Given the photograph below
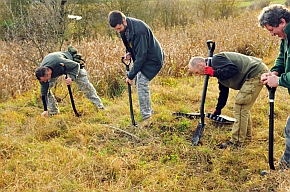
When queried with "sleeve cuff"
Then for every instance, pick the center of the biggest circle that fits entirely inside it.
(43, 98)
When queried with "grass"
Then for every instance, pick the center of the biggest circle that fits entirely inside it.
(66, 153)
(247, 3)
(278, 1)
(96, 153)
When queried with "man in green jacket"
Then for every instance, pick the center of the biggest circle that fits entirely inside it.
(51, 68)
(146, 53)
(238, 72)
(275, 18)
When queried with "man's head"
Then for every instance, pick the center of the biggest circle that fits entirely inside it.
(197, 65)
(43, 74)
(275, 18)
(118, 21)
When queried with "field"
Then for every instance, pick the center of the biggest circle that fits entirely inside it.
(100, 151)
(249, 2)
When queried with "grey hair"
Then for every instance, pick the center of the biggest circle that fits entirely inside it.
(196, 60)
(273, 14)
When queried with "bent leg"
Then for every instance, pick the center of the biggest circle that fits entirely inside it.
(245, 99)
(240, 126)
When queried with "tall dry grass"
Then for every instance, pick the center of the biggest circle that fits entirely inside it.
(241, 34)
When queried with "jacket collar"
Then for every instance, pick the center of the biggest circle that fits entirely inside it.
(130, 27)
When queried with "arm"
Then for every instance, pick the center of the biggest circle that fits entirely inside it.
(224, 68)
(279, 69)
(141, 46)
(223, 97)
(45, 111)
(283, 80)
(44, 91)
(72, 68)
(279, 66)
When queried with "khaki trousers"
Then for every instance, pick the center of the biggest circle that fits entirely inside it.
(245, 99)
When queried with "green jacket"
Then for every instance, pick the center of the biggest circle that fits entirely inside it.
(246, 68)
(282, 63)
(144, 48)
(232, 70)
(53, 60)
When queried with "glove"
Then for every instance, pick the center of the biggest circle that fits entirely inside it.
(216, 112)
(208, 71)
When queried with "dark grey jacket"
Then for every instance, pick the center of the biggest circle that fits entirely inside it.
(53, 60)
(144, 48)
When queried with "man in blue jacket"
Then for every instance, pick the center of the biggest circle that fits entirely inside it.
(275, 18)
(146, 53)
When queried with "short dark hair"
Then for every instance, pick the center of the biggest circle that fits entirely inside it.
(273, 14)
(41, 72)
(116, 17)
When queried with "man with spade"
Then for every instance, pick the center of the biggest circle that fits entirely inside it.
(145, 51)
(57, 64)
(275, 18)
(238, 72)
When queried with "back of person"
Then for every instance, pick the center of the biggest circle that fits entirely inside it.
(248, 67)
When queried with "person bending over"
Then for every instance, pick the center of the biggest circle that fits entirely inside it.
(55, 65)
(238, 72)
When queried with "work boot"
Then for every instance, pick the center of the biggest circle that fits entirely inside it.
(146, 123)
(52, 113)
(228, 144)
(284, 165)
(100, 107)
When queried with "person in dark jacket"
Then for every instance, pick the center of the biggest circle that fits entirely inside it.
(275, 18)
(55, 65)
(238, 72)
(146, 53)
